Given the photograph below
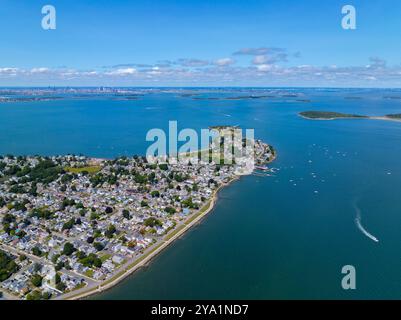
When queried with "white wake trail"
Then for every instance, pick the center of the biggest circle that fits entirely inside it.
(360, 226)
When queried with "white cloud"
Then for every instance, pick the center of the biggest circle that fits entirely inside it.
(261, 59)
(193, 62)
(8, 70)
(39, 70)
(265, 67)
(154, 72)
(90, 73)
(259, 51)
(122, 72)
(224, 62)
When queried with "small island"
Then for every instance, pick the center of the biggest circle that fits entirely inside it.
(330, 115)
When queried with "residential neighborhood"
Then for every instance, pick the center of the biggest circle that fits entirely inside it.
(72, 222)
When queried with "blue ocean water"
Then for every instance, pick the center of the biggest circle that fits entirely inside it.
(281, 237)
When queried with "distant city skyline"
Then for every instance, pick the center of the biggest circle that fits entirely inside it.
(200, 43)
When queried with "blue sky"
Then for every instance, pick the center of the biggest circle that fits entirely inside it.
(201, 43)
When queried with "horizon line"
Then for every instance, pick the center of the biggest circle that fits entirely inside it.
(194, 87)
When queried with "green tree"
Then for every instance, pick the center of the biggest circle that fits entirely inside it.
(34, 295)
(68, 249)
(37, 280)
(98, 246)
(151, 222)
(37, 252)
(170, 210)
(57, 279)
(126, 214)
(155, 194)
(46, 295)
(69, 224)
(111, 230)
(7, 266)
(61, 286)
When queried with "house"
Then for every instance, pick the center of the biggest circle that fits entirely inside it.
(117, 259)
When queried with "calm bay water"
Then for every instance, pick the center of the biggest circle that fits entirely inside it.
(285, 236)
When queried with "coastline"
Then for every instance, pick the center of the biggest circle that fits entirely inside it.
(157, 248)
(385, 119)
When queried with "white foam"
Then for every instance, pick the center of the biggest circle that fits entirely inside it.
(360, 226)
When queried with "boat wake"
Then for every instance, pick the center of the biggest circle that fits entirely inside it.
(360, 226)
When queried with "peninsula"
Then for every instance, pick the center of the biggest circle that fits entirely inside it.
(73, 226)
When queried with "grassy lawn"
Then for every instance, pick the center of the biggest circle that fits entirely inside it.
(89, 273)
(81, 285)
(118, 265)
(89, 169)
(201, 211)
(174, 232)
(188, 221)
(105, 257)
